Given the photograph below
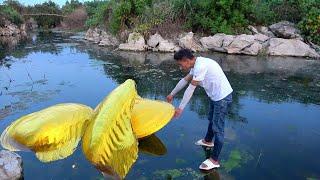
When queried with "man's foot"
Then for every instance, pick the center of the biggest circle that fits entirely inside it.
(209, 164)
(202, 142)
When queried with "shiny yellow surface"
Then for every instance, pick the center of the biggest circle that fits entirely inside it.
(52, 133)
(149, 116)
(109, 142)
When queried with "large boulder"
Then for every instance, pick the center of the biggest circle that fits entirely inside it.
(285, 29)
(157, 43)
(155, 40)
(265, 31)
(9, 30)
(10, 165)
(93, 35)
(167, 46)
(240, 43)
(290, 47)
(187, 41)
(261, 37)
(218, 42)
(107, 39)
(253, 49)
(135, 42)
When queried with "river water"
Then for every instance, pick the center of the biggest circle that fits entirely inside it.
(272, 131)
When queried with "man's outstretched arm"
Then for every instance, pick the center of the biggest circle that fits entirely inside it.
(181, 84)
(186, 97)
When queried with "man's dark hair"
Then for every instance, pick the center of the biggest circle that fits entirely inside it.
(183, 53)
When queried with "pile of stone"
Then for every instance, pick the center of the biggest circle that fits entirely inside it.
(280, 39)
(10, 29)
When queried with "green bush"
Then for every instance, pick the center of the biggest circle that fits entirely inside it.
(47, 8)
(214, 16)
(272, 11)
(154, 15)
(310, 25)
(97, 12)
(71, 6)
(7, 12)
(125, 13)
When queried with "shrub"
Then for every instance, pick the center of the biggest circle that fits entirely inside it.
(214, 16)
(7, 12)
(76, 19)
(97, 12)
(47, 8)
(153, 16)
(71, 6)
(310, 25)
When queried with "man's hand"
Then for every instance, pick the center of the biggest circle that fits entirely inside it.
(177, 112)
(169, 98)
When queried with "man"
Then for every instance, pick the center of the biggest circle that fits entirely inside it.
(208, 74)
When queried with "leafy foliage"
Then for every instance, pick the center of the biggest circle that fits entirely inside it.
(310, 25)
(97, 11)
(47, 8)
(214, 15)
(9, 13)
(71, 6)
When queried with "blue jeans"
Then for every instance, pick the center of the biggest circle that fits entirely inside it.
(218, 111)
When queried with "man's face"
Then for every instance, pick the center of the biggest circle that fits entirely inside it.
(185, 64)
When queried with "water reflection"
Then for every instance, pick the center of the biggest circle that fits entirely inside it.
(152, 145)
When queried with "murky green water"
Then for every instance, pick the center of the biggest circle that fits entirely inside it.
(273, 131)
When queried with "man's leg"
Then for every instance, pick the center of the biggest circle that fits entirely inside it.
(220, 111)
(209, 135)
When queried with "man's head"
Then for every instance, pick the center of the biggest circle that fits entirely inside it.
(185, 59)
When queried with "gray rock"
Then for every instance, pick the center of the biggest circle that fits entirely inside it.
(135, 42)
(108, 39)
(254, 49)
(265, 31)
(218, 42)
(187, 41)
(261, 37)
(93, 35)
(285, 29)
(155, 40)
(290, 47)
(11, 30)
(240, 43)
(253, 29)
(166, 46)
(10, 165)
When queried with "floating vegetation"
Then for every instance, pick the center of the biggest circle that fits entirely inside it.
(24, 99)
(312, 178)
(180, 161)
(177, 173)
(236, 159)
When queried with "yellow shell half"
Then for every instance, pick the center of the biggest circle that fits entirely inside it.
(109, 142)
(52, 133)
(149, 116)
